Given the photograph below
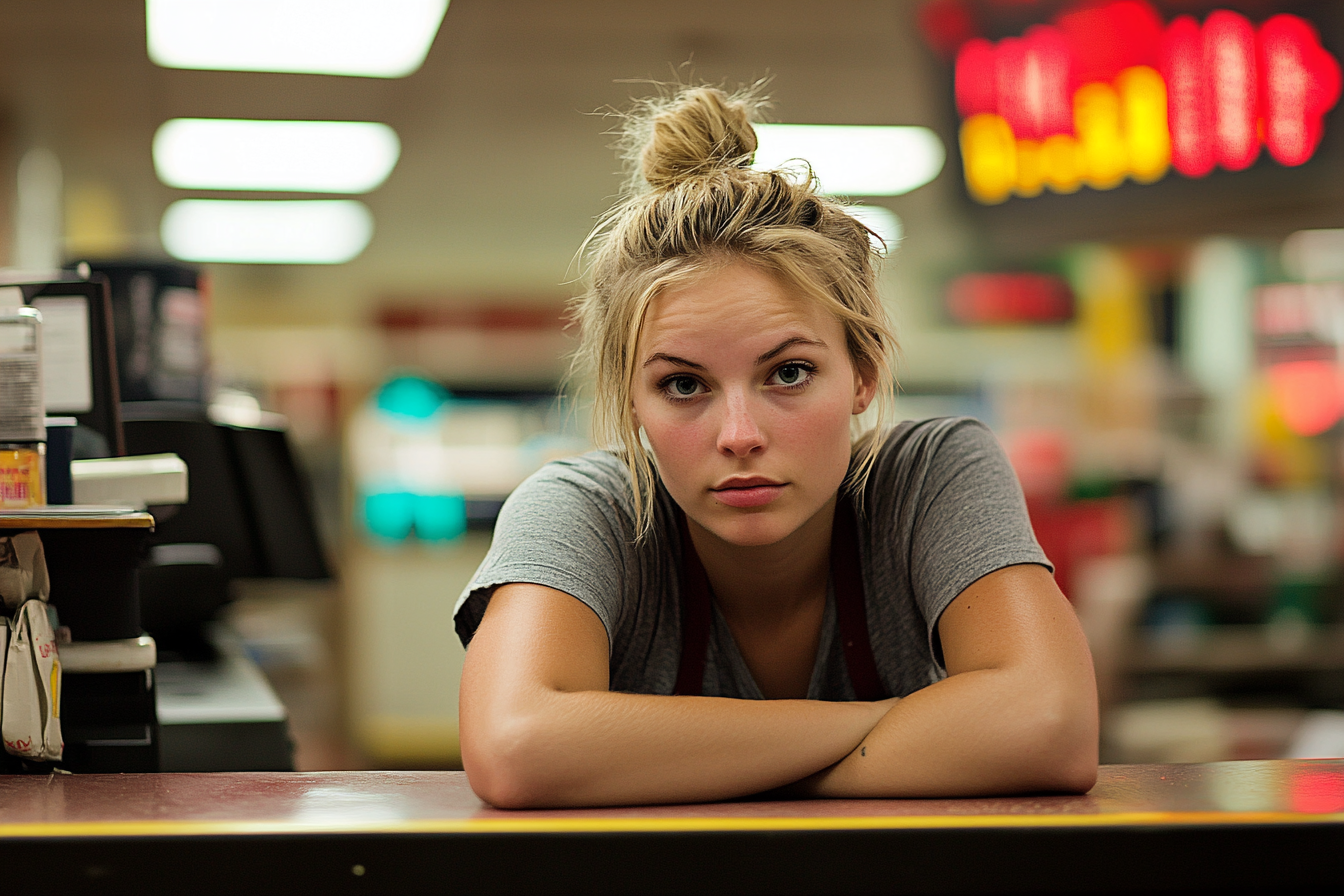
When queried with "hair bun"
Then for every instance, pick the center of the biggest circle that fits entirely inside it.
(701, 129)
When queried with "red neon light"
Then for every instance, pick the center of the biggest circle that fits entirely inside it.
(1189, 116)
(1307, 395)
(1106, 39)
(1229, 55)
(975, 78)
(1300, 81)
(1032, 83)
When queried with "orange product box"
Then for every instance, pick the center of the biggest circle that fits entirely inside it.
(21, 483)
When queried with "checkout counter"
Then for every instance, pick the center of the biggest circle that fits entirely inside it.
(1232, 827)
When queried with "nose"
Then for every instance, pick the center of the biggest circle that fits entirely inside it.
(739, 433)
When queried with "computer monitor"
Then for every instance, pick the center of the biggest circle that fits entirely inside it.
(280, 503)
(218, 511)
(159, 313)
(247, 495)
(248, 515)
(80, 359)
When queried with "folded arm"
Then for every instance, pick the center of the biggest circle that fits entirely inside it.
(540, 727)
(1017, 712)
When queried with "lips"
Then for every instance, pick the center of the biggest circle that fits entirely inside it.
(747, 491)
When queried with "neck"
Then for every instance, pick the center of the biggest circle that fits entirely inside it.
(768, 582)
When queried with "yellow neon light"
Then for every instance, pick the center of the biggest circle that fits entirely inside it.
(1143, 105)
(1120, 131)
(1062, 159)
(1096, 119)
(1030, 168)
(990, 157)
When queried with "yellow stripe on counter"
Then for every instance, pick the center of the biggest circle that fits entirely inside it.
(650, 825)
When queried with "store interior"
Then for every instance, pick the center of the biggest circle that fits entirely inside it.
(1144, 303)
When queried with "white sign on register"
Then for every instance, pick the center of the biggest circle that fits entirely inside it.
(66, 369)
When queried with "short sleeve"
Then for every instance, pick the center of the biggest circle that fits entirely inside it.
(567, 527)
(952, 505)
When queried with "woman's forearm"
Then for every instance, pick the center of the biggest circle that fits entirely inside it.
(540, 727)
(1017, 712)
(605, 748)
(974, 734)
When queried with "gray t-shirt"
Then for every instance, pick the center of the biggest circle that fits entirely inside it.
(941, 509)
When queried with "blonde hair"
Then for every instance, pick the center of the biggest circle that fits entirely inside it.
(693, 205)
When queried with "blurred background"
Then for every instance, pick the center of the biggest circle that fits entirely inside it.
(1115, 232)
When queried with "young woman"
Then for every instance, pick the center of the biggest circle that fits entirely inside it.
(736, 597)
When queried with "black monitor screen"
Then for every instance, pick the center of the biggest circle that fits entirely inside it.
(280, 504)
(247, 495)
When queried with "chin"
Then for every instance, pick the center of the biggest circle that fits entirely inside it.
(752, 530)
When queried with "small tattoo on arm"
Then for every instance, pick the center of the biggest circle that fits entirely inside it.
(863, 751)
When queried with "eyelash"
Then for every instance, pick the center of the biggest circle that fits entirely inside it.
(808, 368)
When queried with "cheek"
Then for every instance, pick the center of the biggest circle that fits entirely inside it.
(820, 439)
(672, 436)
(823, 425)
(680, 449)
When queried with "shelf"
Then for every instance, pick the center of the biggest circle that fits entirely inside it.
(1241, 648)
(75, 516)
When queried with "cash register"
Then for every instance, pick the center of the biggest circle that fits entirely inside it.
(152, 680)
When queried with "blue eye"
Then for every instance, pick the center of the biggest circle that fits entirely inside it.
(794, 374)
(681, 388)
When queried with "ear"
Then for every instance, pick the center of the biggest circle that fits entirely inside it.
(865, 387)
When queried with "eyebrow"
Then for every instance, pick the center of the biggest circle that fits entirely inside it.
(672, 359)
(761, 359)
(789, 343)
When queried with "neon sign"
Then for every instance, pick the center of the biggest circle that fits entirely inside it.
(1108, 92)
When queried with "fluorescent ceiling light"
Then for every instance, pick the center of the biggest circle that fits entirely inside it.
(307, 156)
(372, 38)
(854, 160)
(883, 222)
(306, 231)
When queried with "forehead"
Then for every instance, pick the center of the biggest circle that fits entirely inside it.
(734, 303)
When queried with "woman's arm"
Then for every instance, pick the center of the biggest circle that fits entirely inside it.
(540, 728)
(1017, 712)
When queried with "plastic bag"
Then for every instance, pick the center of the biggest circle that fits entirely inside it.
(30, 709)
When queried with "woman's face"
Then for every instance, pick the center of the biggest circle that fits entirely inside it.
(745, 391)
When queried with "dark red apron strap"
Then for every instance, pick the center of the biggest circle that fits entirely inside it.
(695, 616)
(847, 577)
